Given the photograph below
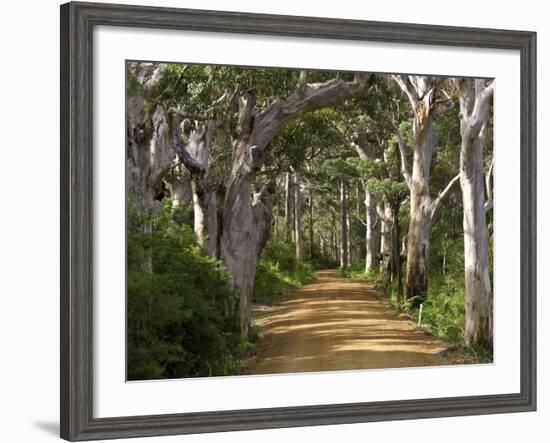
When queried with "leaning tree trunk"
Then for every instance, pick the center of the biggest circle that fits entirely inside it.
(474, 106)
(246, 220)
(298, 216)
(343, 224)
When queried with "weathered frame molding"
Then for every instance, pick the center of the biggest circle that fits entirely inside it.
(77, 23)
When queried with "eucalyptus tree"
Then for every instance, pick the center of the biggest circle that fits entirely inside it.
(254, 104)
(150, 154)
(342, 172)
(425, 97)
(475, 101)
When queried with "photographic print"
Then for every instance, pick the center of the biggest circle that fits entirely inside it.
(289, 239)
(286, 220)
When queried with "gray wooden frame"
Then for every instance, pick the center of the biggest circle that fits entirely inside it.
(77, 24)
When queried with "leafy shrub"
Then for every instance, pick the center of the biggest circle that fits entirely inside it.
(278, 272)
(443, 312)
(177, 299)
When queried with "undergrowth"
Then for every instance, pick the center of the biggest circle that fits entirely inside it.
(278, 272)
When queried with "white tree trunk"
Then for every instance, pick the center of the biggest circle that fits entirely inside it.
(343, 224)
(373, 233)
(311, 223)
(371, 259)
(194, 154)
(288, 208)
(298, 216)
(474, 106)
(421, 91)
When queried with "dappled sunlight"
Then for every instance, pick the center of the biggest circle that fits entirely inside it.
(338, 324)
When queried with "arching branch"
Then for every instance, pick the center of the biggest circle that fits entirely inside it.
(442, 194)
(403, 155)
(193, 166)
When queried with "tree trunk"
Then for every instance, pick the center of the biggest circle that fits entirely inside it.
(343, 225)
(150, 154)
(418, 245)
(311, 240)
(288, 208)
(371, 258)
(349, 234)
(474, 107)
(195, 156)
(395, 252)
(298, 216)
(246, 228)
(421, 91)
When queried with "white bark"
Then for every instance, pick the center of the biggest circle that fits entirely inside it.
(475, 98)
(372, 231)
(194, 154)
(298, 216)
(371, 259)
(421, 91)
(288, 208)
(343, 225)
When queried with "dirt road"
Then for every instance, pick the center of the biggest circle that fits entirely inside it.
(336, 324)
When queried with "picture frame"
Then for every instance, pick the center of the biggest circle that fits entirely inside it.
(78, 21)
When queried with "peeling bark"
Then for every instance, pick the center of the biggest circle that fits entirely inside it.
(421, 91)
(150, 154)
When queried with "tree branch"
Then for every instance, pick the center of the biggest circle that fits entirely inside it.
(246, 111)
(488, 187)
(442, 194)
(407, 87)
(185, 115)
(194, 167)
(450, 106)
(313, 97)
(403, 155)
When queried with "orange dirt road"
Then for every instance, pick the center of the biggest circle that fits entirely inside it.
(337, 324)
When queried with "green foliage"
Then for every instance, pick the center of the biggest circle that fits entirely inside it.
(177, 325)
(278, 272)
(443, 311)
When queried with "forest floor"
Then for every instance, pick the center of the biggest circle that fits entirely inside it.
(338, 323)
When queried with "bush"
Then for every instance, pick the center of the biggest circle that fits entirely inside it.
(177, 299)
(278, 272)
(443, 312)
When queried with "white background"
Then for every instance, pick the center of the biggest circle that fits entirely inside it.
(29, 287)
